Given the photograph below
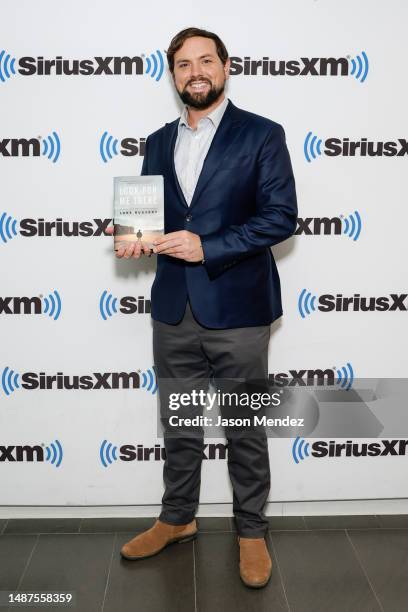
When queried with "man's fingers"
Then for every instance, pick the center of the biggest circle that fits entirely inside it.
(173, 246)
(137, 250)
(146, 249)
(175, 242)
(109, 230)
(174, 250)
(169, 236)
(129, 251)
(133, 249)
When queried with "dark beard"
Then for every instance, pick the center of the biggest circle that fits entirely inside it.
(201, 101)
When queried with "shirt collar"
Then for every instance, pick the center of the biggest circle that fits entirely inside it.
(215, 116)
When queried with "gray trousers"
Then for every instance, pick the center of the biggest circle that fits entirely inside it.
(190, 352)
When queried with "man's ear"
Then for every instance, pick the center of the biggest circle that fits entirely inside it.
(227, 67)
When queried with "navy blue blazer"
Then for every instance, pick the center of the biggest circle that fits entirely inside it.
(244, 202)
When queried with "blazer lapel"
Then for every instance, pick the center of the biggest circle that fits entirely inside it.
(225, 136)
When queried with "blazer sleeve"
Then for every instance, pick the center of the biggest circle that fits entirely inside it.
(276, 210)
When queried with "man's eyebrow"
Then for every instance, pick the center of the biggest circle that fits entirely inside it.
(201, 57)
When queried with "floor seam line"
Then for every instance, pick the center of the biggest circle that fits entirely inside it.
(109, 572)
(194, 579)
(364, 571)
(28, 562)
(279, 570)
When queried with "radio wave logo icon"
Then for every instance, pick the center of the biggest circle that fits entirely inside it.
(7, 227)
(54, 453)
(107, 453)
(108, 147)
(107, 305)
(306, 303)
(312, 146)
(155, 65)
(149, 380)
(345, 376)
(352, 225)
(52, 147)
(300, 449)
(6, 66)
(52, 305)
(9, 381)
(359, 67)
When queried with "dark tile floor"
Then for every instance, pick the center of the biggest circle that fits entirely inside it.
(320, 564)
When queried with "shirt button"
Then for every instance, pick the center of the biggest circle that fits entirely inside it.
(189, 217)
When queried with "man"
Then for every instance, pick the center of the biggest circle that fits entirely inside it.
(229, 196)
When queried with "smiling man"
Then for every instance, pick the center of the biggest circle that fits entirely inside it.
(229, 196)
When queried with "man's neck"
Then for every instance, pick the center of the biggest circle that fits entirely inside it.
(194, 114)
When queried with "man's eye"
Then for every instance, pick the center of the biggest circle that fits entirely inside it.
(206, 61)
(182, 65)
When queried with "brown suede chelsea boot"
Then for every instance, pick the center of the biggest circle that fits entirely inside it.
(255, 565)
(156, 538)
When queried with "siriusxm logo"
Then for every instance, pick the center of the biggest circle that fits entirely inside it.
(23, 147)
(356, 67)
(128, 304)
(49, 305)
(108, 147)
(152, 65)
(357, 303)
(11, 227)
(109, 452)
(322, 448)
(343, 376)
(31, 381)
(312, 147)
(33, 453)
(316, 226)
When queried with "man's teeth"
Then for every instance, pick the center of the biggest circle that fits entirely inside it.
(199, 85)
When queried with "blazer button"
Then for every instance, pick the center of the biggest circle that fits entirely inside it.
(189, 217)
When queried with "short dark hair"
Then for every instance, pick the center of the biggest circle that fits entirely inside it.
(179, 39)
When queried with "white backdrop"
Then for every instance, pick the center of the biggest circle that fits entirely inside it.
(68, 179)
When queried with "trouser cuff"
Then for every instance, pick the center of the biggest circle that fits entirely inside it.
(171, 519)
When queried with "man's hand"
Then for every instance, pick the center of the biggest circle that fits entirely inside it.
(183, 245)
(135, 249)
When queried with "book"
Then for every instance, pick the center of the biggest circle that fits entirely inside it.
(138, 209)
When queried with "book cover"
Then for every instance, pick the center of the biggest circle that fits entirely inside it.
(138, 210)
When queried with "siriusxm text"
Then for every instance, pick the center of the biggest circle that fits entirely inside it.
(365, 147)
(59, 227)
(96, 380)
(302, 378)
(350, 448)
(304, 66)
(357, 303)
(29, 66)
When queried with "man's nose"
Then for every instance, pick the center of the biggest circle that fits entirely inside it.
(195, 70)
